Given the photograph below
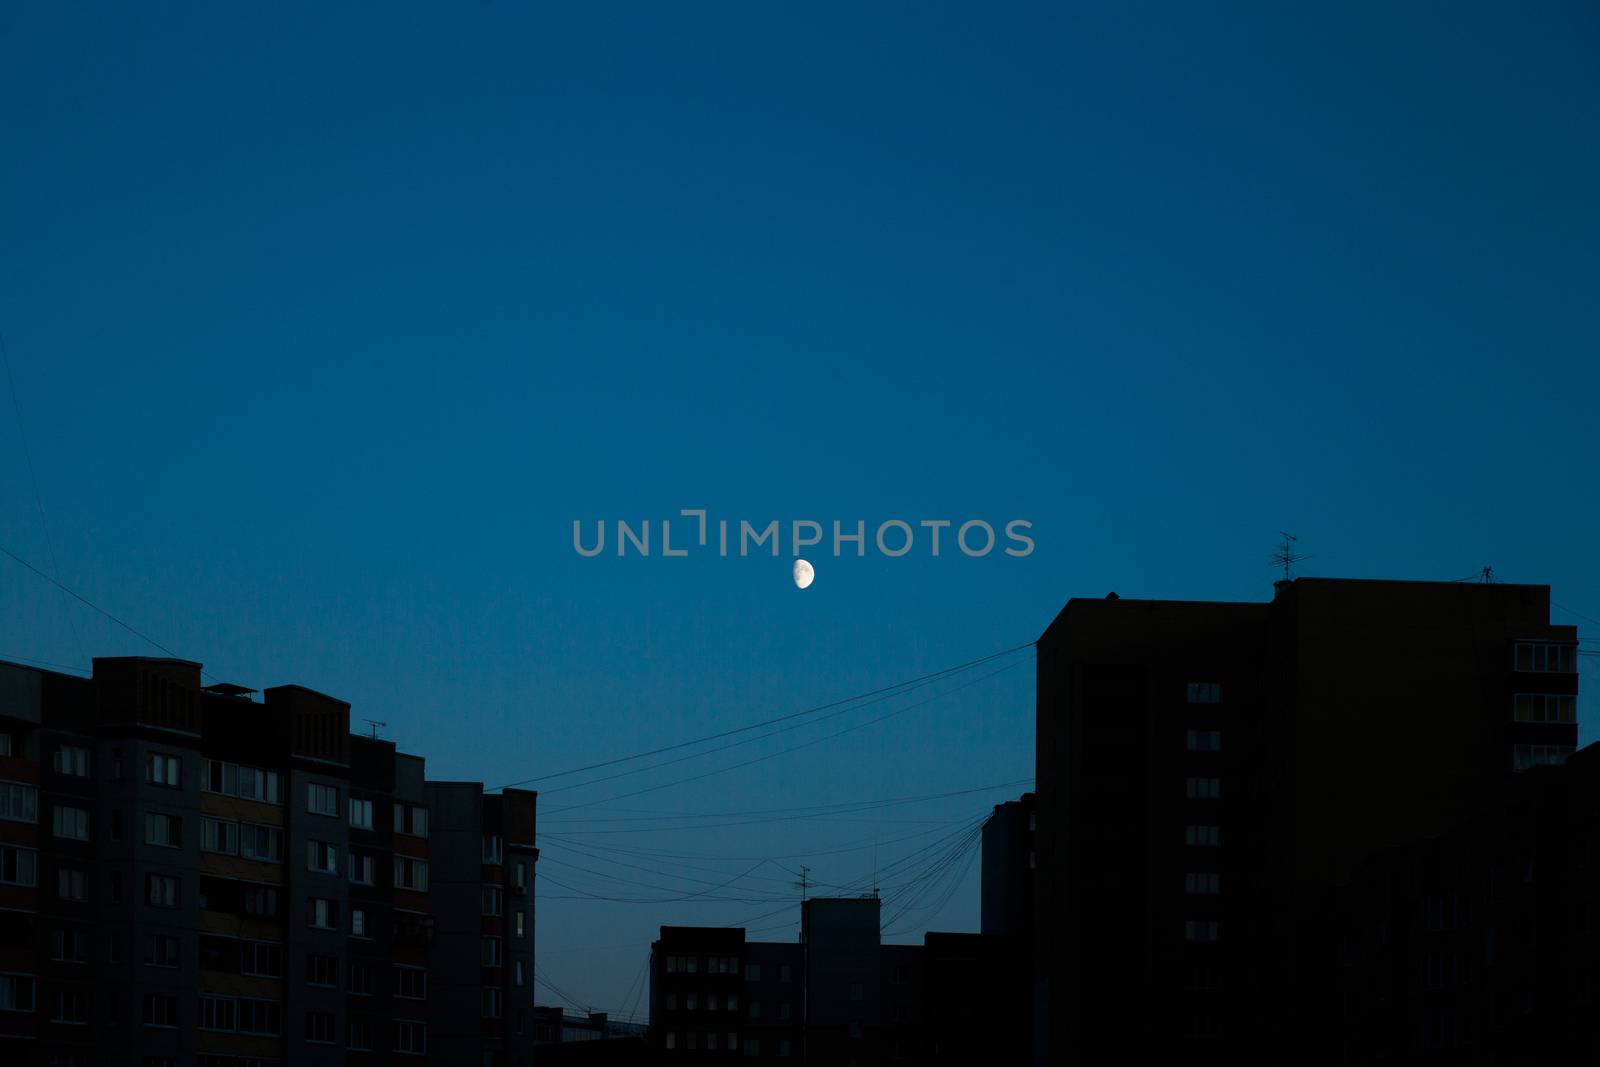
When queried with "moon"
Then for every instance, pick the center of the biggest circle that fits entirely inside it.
(803, 573)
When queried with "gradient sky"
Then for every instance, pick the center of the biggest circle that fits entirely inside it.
(327, 321)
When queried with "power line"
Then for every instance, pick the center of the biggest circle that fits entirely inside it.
(767, 722)
(86, 601)
(782, 814)
(789, 751)
(38, 497)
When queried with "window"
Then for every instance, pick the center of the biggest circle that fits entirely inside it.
(857, 991)
(162, 769)
(360, 1036)
(713, 1002)
(491, 900)
(410, 819)
(1202, 884)
(1525, 756)
(1544, 707)
(261, 958)
(784, 1047)
(232, 780)
(491, 952)
(5, 745)
(163, 830)
(491, 1003)
(322, 856)
(752, 1046)
(70, 822)
(1544, 658)
(783, 972)
(18, 866)
(161, 891)
(322, 799)
(71, 884)
(360, 814)
(18, 802)
(18, 992)
(521, 930)
(411, 983)
(492, 849)
(410, 1038)
(517, 975)
(1200, 930)
(72, 760)
(361, 979)
(219, 835)
(69, 946)
(1202, 836)
(322, 970)
(260, 1017)
(160, 1009)
(219, 1013)
(322, 913)
(261, 901)
(70, 1006)
(161, 950)
(1203, 740)
(260, 842)
(319, 1027)
(1205, 692)
(1202, 788)
(519, 878)
(358, 922)
(363, 869)
(672, 1039)
(410, 874)
(755, 1009)
(722, 965)
(752, 972)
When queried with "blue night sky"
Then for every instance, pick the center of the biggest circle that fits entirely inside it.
(327, 321)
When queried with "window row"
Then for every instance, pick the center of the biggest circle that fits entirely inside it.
(1525, 756)
(1545, 707)
(1202, 788)
(711, 1001)
(1546, 658)
(237, 780)
(246, 839)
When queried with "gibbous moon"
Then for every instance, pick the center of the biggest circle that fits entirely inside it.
(803, 573)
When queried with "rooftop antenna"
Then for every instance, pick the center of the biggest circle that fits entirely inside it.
(1487, 576)
(374, 723)
(805, 881)
(1285, 556)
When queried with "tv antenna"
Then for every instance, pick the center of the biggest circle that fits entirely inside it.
(1285, 556)
(805, 881)
(374, 723)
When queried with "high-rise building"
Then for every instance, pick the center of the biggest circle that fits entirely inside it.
(1209, 773)
(193, 878)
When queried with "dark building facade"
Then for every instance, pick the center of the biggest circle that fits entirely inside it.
(1209, 774)
(837, 996)
(193, 878)
(1481, 945)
